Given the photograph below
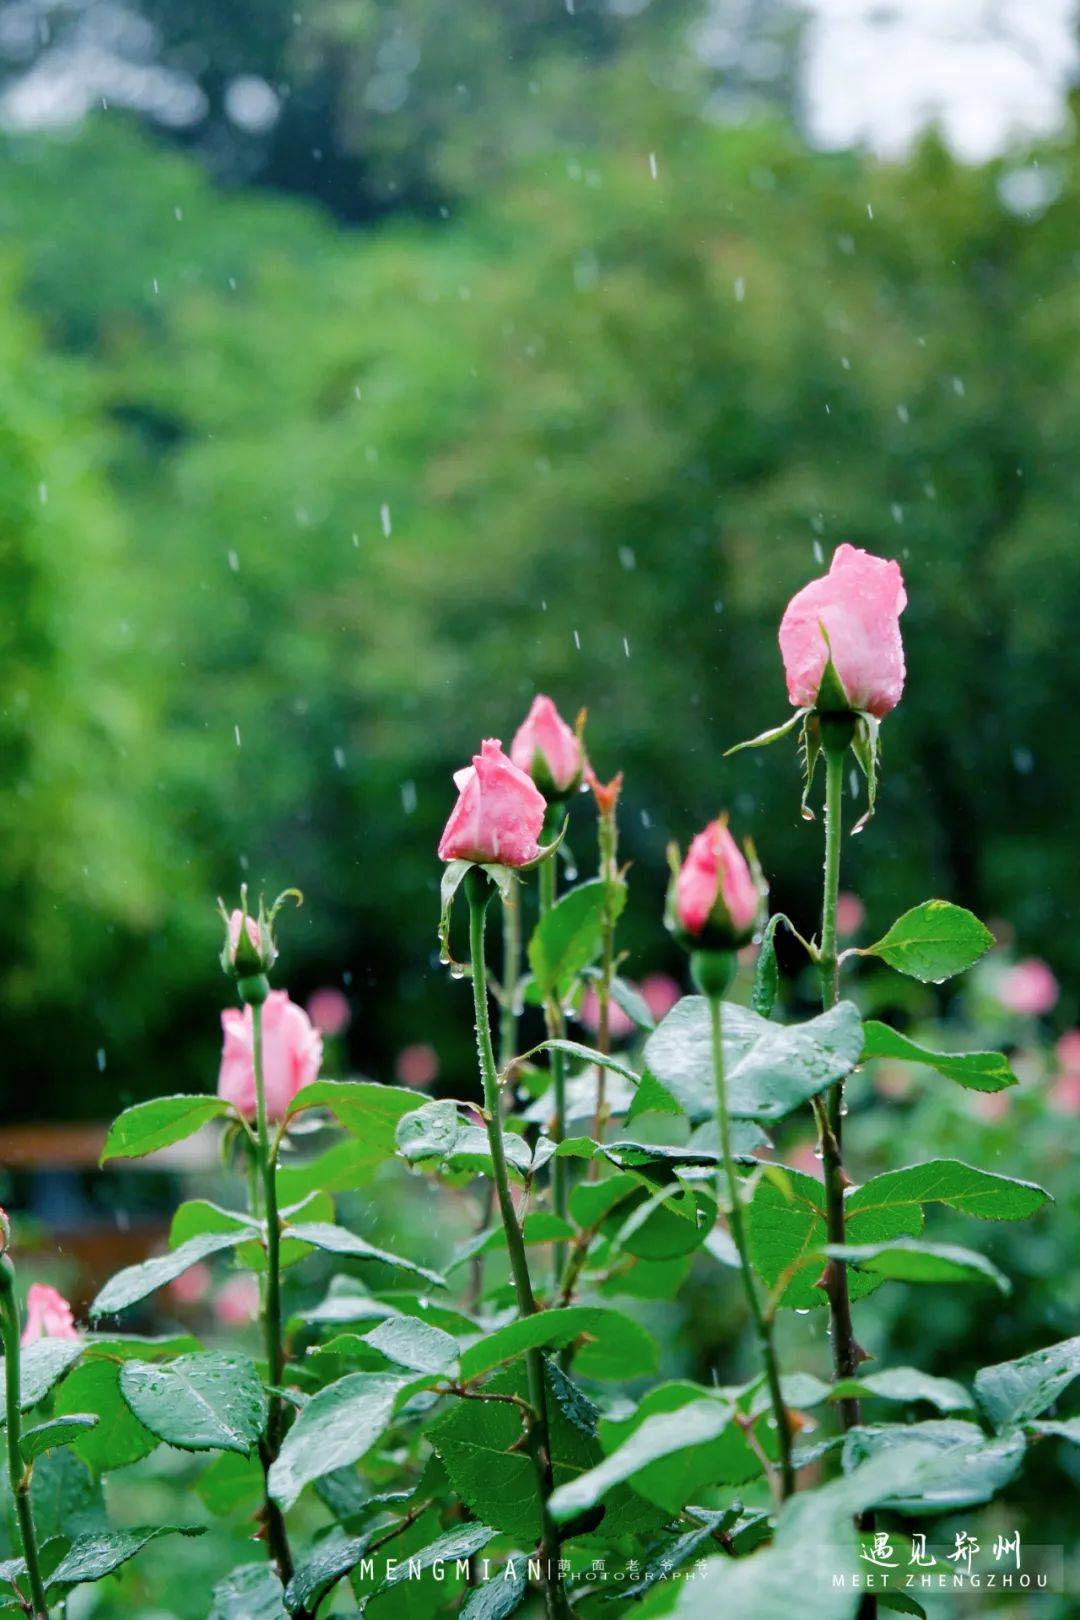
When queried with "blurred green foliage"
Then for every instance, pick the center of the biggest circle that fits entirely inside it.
(291, 515)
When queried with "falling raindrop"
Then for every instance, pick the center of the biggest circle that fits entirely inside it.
(652, 166)
(384, 519)
(101, 1059)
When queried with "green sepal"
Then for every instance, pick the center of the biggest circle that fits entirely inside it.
(774, 733)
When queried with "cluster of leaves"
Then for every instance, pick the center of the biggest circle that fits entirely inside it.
(408, 1403)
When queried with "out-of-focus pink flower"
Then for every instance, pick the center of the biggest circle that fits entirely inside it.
(893, 1081)
(329, 1010)
(547, 749)
(715, 885)
(992, 1105)
(291, 1048)
(659, 992)
(192, 1286)
(589, 1015)
(1068, 1051)
(850, 914)
(857, 606)
(806, 1158)
(48, 1315)
(1029, 988)
(1065, 1092)
(417, 1064)
(499, 814)
(237, 1300)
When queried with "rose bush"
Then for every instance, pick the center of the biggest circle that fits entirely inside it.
(496, 1426)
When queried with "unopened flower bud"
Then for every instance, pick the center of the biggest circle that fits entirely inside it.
(716, 899)
(549, 750)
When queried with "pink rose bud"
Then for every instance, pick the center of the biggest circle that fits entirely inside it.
(1029, 989)
(291, 1048)
(717, 899)
(852, 615)
(499, 815)
(48, 1315)
(5, 1232)
(329, 1010)
(545, 748)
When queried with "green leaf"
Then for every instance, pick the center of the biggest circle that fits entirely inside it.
(338, 1240)
(1056, 1428)
(569, 937)
(252, 1592)
(951, 1182)
(134, 1283)
(367, 1110)
(322, 1569)
(613, 1345)
(905, 1384)
(67, 1499)
(158, 1123)
(118, 1438)
(412, 1343)
(769, 1069)
(210, 1401)
(458, 1544)
(589, 1054)
(766, 973)
(651, 1098)
(436, 1132)
(42, 1364)
(959, 1465)
(499, 1596)
(481, 1446)
(1013, 1391)
(787, 1231)
(632, 1002)
(932, 942)
(978, 1071)
(674, 1553)
(59, 1431)
(680, 1440)
(91, 1558)
(909, 1260)
(773, 1584)
(336, 1427)
(232, 1486)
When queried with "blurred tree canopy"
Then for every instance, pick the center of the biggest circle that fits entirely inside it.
(292, 514)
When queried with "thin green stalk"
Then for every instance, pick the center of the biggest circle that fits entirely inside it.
(830, 1117)
(762, 1322)
(609, 872)
(276, 1535)
(508, 1024)
(18, 1472)
(478, 891)
(556, 1029)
